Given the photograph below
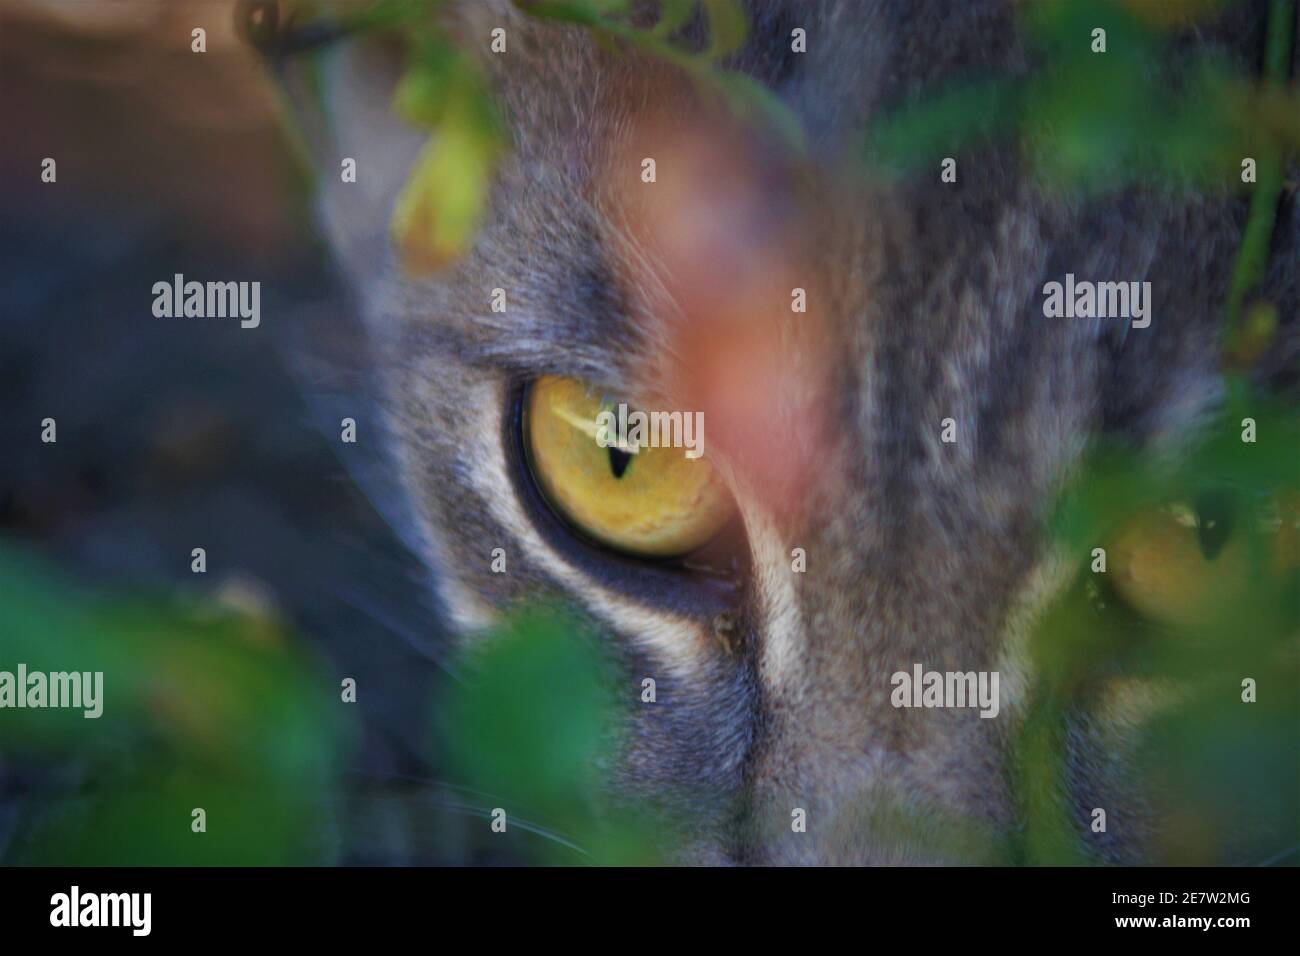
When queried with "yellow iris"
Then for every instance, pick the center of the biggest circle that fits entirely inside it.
(654, 502)
(1186, 569)
(1161, 571)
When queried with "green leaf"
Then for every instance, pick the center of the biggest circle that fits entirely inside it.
(532, 723)
(534, 731)
(200, 708)
(673, 15)
(728, 27)
(939, 124)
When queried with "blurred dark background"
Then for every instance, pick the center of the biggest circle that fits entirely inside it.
(183, 433)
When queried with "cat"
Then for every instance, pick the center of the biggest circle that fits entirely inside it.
(925, 305)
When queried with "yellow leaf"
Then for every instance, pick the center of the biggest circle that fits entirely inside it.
(439, 208)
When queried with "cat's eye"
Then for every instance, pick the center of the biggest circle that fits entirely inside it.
(1185, 564)
(649, 498)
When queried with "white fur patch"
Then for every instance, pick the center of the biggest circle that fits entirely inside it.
(784, 639)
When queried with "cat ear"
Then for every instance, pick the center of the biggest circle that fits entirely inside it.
(337, 86)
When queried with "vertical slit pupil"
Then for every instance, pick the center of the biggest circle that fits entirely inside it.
(1215, 518)
(618, 461)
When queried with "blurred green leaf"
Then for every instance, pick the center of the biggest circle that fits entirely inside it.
(1089, 638)
(1140, 112)
(536, 729)
(442, 202)
(941, 123)
(728, 27)
(533, 720)
(673, 15)
(200, 709)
